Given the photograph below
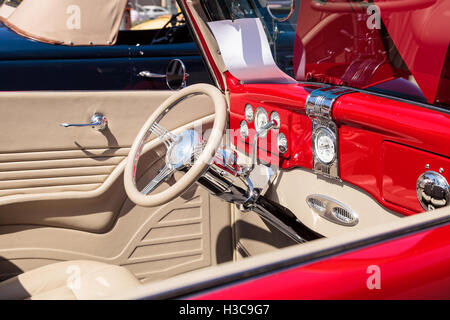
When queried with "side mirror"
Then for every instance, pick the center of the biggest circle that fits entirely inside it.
(280, 10)
(176, 74)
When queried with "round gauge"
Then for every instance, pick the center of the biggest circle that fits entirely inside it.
(282, 143)
(261, 119)
(249, 113)
(275, 116)
(325, 145)
(244, 129)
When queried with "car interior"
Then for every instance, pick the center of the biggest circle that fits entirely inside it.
(174, 31)
(118, 203)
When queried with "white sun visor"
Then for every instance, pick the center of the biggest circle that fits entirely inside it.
(68, 22)
(7, 8)
(246, 52)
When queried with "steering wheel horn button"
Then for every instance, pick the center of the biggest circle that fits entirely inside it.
(183, 151)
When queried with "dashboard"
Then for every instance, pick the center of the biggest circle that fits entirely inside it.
(383, 145)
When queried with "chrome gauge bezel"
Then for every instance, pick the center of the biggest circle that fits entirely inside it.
(261, 110)
(248, 113)
(243, 123)
(279, 137)
(276, 116)
(331, 134)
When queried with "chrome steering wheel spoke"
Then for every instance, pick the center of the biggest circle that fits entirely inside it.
(162, 176)
(163, 134)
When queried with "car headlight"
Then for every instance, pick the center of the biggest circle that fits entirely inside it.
(249, 113)
(261, 119)
(244, 129)
(325, 145)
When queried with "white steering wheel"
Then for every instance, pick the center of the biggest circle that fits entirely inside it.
(182, 149)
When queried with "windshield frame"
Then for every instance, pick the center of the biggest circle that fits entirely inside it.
(259, 12)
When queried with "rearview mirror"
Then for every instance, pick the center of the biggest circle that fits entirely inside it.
(280, 10)
(176, 74)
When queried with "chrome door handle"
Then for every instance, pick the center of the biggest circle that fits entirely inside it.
(151, 75)
(97, 122)
(148, 74)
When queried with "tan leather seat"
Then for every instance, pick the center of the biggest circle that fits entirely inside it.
(70, 280)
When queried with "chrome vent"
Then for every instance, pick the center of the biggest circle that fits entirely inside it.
(316, 204)
(343, 215)
(332, 210)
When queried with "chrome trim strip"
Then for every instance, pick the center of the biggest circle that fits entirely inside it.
(383, 95)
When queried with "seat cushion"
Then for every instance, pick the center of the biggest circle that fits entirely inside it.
(70, 280)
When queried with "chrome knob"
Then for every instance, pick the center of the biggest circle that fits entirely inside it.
(433, 191)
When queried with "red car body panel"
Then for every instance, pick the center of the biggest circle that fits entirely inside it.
(413, 267)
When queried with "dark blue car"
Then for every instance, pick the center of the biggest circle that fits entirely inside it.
(27, 64)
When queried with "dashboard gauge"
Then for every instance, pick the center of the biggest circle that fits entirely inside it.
(244, 129)
(275, 116)
(325, 145)
(249, 113)
(282, 143)
(261, 119)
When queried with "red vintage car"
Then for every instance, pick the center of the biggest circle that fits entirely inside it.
(317, 167)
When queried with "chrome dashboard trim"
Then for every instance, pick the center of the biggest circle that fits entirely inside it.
(319, 108)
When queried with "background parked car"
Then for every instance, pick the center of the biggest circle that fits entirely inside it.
(155, 11)
(157, 23)
(26, 64)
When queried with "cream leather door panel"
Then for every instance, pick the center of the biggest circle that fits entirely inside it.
(36, 153)
(62, 194)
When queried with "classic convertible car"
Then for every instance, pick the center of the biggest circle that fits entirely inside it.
(318, 173)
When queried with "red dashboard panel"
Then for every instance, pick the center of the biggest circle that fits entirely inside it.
(365, 124)
(289, 102)
(399, 176)
(267, 144)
